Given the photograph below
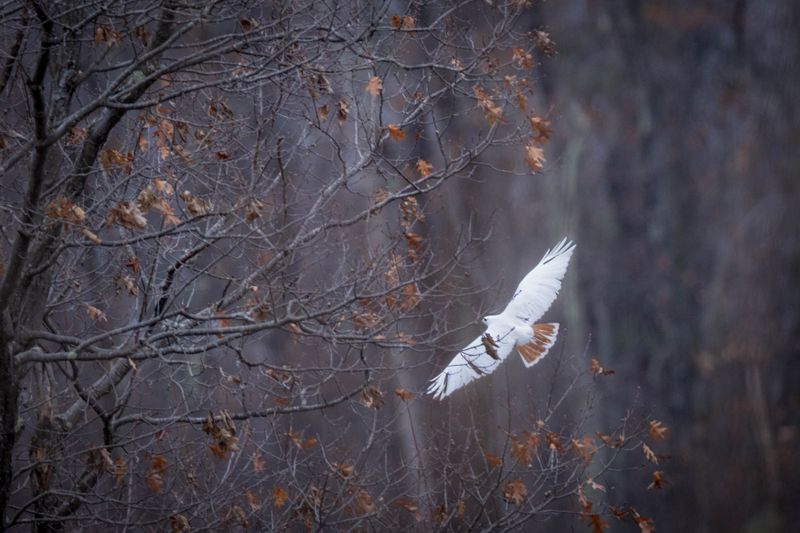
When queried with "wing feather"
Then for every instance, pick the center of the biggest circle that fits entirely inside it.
(473, 362)
(539, 288)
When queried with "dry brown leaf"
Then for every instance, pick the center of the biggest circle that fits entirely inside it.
(194, 204)
(406, 22)
(658, 431)
(248, 24)
(493, 112)
(410, 211)
(493, 460)
(595, 485)
(542, 129)
(515, 492)
(342, 109)
(521, 58)
(324, 112)
(142, 34)
(344, 469)
(534, 157)
(155, 474)
(585, 447)
(76, 135)
(130, 284)
(424, 168)
(523, 447)
(64, 209)
(553, 442)
(96, 314)
(252, 500)
(179, 523)
(596, 369)
(133, 264)
(223, 434)
(279, 496)
(371, 397)
(127, 215)
(106, 34)
(364, 504)
(544, 43)
(163, 187)
(658, 480)
(258, 463)
(649, 454)
(439, 514)
(406, 503)
(645, 524)
(374, 86)
(490, 345)
(404, 394)
(396, 132)
(461, 509)
(254, 208)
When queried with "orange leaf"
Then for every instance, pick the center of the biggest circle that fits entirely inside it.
(424, 168)
(404, 394)
(515, 491)
(258, 463)
(374, 86)
(542, 128)
(252, 500)
(406, 22)
(96, 314)
(596, 369)
(395, 132)
(534, 157)
(649, 454)
(493, 460)
(524, 447)
(279, 496)
(658, 430)
(658, 480)
(364, 503)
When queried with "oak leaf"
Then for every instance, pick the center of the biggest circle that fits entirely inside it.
(534, 157)
(252, 500)
(364, 504)
(515, 491)
(258, 463)
(542, 129)
(127, 215)
(371, 397)
(596, 369)
(657, 480)
(658, 431)
(406, 22)
(279, 496)
(649, 454)
(96, 314)
(396, 132)
(374, 86)
(424, 168)
(404, 394)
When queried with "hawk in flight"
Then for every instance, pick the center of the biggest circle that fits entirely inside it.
(515, 327)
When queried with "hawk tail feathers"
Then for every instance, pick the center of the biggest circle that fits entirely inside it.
(544, 336)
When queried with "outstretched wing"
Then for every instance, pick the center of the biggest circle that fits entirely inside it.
(539, 287)
(478, 359)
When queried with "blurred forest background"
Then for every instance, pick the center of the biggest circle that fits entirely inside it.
(672, 162)
(676, 171)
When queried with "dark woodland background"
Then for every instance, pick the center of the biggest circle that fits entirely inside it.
(673, 165)
(676, 171)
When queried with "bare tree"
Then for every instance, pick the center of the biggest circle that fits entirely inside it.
(215, 265)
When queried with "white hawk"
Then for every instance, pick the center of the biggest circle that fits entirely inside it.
(515, 327)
